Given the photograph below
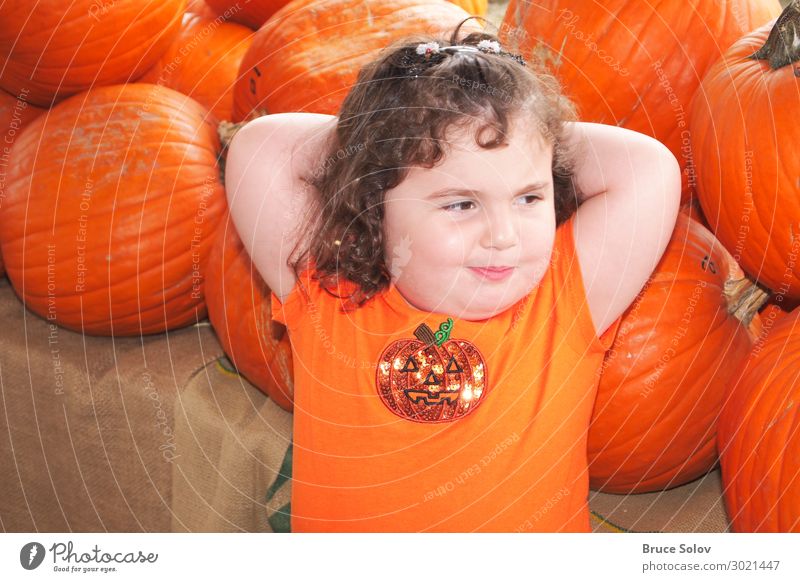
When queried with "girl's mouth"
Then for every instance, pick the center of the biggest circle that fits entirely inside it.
(492, 273)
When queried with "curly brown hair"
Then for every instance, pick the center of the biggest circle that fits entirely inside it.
(395, 117)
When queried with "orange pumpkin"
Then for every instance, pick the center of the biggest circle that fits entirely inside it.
(691, 208)
(475, 7)
(202, 8)
(112, 199)
(309, 54)
(666, 376)
(253, 13)
(769, 316)
(773, 310)
(432, 378)
(203, 62)
(256, 12)
(759, 434)
(53, 49)
(745, 138)
(15, 114)
(631, 63)
(240, 312)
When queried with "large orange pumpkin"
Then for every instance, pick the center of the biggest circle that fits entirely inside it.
(54, 49)
(202, 8)
(631, 63)
(475, 7)
(240, 312)
(256, 12)
(666, 376)
(307, 57)
(759, 434)
(746, 135)
(253, 13)
(112, 200)
(15, 114)
(203, 62)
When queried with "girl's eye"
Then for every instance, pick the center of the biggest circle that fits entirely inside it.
(464, 205)
(459, 206)
(530, 199)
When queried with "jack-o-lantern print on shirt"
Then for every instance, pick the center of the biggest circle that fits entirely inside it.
(432, 378)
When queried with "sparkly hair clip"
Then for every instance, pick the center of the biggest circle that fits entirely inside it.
(489, 46)
(428, 48)
(485, 46)
(431, 50)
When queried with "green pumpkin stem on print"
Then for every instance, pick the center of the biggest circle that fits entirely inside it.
(427, 336)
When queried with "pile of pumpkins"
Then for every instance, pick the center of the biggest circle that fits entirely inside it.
(113, 215)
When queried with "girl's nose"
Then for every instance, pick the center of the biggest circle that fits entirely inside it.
(500, 229)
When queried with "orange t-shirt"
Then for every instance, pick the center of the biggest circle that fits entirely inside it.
(451, 426)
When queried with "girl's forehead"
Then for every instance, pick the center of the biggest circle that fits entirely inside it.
(467, 166)
(461, 145)
(524, 143)
(525, 123)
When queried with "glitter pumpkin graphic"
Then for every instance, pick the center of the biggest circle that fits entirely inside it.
(432, 378)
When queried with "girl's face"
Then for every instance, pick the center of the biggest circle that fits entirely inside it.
(479, 208)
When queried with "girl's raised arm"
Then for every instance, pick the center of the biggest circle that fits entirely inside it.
(632, 189)
(266, 195)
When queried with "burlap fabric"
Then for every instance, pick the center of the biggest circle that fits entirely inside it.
(129, 434)
(160, 434)
(233, 441)
(694, 507)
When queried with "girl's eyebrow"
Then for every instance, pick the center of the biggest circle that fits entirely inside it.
(444, 192)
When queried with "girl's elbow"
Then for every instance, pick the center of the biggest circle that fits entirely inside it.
(666, 196)
(673, 188)
(240, 152)
(675, 181)
(669, 171)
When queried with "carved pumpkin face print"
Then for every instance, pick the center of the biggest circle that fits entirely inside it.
(432, 378)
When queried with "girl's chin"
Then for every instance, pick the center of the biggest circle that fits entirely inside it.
(484, 308)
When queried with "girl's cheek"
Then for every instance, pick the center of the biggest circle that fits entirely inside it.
(453, 245)
(437, 237)
(539, 270)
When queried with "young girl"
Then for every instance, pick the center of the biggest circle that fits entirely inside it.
(448, 307)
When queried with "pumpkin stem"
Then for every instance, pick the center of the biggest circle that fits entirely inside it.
(425, 334)
(783, 43)
(744, 299)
